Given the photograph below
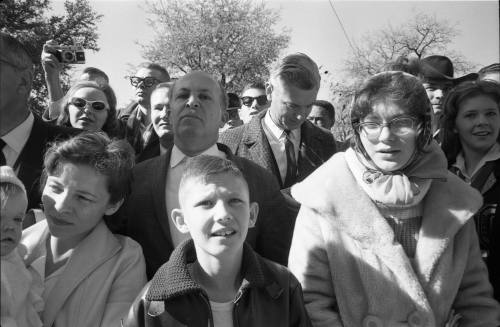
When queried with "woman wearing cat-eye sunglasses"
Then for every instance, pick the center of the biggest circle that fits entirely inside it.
(90, 106)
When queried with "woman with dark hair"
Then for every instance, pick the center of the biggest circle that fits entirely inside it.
(384, 236)
(90, 106)
(472, 146)
(90, 275)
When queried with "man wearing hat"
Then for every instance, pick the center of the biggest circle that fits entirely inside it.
(436, 73)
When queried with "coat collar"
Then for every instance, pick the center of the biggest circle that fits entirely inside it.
(97, 248)
(173, 278)
(444, 211)
(448, 205)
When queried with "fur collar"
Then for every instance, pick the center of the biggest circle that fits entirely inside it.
(447, 206)
(332, 192)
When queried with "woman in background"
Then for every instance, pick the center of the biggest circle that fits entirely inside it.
(472, 146)
(92, 107)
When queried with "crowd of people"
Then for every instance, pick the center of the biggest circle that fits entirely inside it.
(193, 207)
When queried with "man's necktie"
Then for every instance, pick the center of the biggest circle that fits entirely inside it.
(291, 162)
(3, 161)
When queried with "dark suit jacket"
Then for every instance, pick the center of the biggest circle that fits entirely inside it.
(249, 141)
(30, 161)
(144, 216)
(133, 134)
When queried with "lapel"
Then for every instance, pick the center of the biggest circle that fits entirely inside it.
(31, 158)
(157, 191)
(352, 212)
(258, 146)
(445, 213)
(98, 247)
(309, 158)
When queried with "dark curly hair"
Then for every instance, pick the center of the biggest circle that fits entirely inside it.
(111, 158)
(399, 88)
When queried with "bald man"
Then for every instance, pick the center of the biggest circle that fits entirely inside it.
(197, 103)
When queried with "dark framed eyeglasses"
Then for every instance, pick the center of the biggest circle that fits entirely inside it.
(82, 103)
(147, 81)
(398, 126)
(261, 100)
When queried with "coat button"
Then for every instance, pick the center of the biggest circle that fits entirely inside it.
(372, 321)
(416, 319)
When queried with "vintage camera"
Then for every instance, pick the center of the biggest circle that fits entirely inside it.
(70, 54)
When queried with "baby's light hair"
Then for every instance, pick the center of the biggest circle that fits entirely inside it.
(7, 190)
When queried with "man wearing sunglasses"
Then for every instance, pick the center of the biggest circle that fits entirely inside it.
(280, 138)
(137, 115)
(253, 100)
(24, 136)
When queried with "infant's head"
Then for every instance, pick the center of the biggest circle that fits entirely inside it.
(13, 207)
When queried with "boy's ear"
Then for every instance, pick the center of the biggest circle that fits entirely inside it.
(179, 222)
(113, 207)
(254, 212)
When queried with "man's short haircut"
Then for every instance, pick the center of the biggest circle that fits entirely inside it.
(254, 85)
(327, 106)
(299, 70)
(163, 85)
(14, 52)
(493, 68)
(96, 72)
(159, 68)
(111, 158)
(203, 167)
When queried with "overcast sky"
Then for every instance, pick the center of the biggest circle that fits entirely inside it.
(315, 30)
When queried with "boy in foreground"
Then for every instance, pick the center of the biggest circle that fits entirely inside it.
(216, 279)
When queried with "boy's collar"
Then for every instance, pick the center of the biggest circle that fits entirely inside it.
(173, 279)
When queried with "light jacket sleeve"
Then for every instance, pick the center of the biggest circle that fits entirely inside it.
(128, 283)
(308, 261)
(474, 300)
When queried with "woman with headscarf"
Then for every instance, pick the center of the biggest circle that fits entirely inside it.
(384, 236)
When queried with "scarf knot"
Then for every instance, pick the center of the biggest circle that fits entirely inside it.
(403, 187)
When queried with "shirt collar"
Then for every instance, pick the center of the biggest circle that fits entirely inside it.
(492, 155)
(277, 131)
(17, 138)
(177, 155)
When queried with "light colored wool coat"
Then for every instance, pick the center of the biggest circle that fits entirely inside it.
(99, 283)
(354, 273)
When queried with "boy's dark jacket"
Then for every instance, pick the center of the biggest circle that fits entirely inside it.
(269, 295)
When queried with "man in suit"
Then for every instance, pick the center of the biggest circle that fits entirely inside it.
(24, 136)
(197, 104)
(137, 115)
(281, 139)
